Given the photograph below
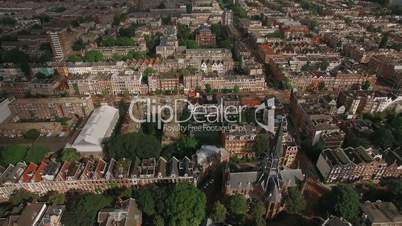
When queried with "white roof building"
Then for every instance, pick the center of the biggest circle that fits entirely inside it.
(99, 126)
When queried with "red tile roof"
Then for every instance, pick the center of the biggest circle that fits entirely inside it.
(38, 174)
(61, 176)
(28, 173)
(250, 101)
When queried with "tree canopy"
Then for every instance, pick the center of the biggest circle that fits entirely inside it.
(185, 146)
(93, 56)
(261, 144)
(119, 41)
(175, 205)
(259, 214)
(70, 154)
(134, 145)
(22, 196)
(294, 201)
(83, 209)
(237, 207)
(31, 134)
(78, 45)
(36, 153)
(342, 201)
(151, 42)
(13, 154)
(185, 206)
(218, 213)
(146, 202)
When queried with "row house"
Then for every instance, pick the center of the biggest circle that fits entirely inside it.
(18, 88)
(94, 175)
(196, 19)
(330, 82)
(394, 162)
(101, 84)
(45, 87)
(167, 82)
(291, 28)
(109, 52)
(362, 102)
(244, 83)
(51, 108)
(388, 67)
(354, 164)
(199, 57)
(96, 67)
(208, 66)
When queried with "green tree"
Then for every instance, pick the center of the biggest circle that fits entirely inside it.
(191, 44)
(70, 154)
(19, 58)
(324, 65)
(321, 86)
(261, 144)
(394, 186)
(236, 89)
(152, 42)
(342, 201)
(134, 145)
(74, 58)
(366, 85)
(130, 31)
(183, 33)
(56, 198)
(208, 89)
(187, 146)
(167, 20)
(149, 71)
(83, 209)
(22, 196)
(384, 41)
(78, 45)
(93, 56)
(118, 18)
(383, 137)
(146, 202)
(237, 207)
(12, 154)
(258, 214)
(218, 213)
(355, 141)
(185, 206)
(32, 134)
(8, 21)
(158, 221)
(294, 201)
(36, 153)
(189, 8)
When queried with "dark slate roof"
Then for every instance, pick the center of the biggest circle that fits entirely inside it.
(241, 180)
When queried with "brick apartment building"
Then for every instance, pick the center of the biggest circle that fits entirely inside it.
(355, 164)
(94, 175)
(205, 37)
(51, 108)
